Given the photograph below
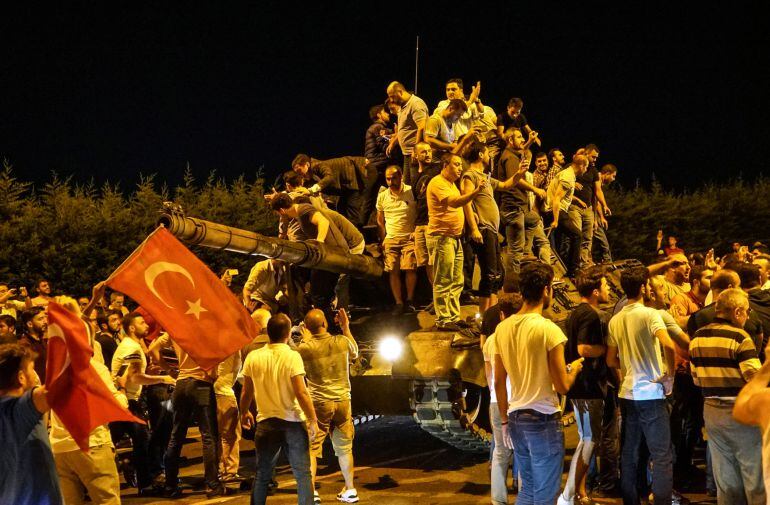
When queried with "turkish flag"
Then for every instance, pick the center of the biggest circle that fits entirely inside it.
(76, 391)
(200, 313)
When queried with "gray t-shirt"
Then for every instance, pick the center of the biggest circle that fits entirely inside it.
(352, 236)
(484, 204)
(413, 113)
(334, 237)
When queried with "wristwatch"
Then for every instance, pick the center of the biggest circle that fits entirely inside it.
(569, 367)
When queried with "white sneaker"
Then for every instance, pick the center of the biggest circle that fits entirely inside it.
(348, 495)
(316, 498)
(564, 501)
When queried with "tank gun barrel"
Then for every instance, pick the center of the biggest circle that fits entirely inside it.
(309, 254)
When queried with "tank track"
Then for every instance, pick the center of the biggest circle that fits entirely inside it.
(439, 409)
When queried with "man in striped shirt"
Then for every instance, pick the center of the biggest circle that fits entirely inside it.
(723, 360)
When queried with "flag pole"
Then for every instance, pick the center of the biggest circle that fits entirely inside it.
(416, 62)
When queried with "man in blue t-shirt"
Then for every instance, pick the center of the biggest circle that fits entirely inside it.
(27, 469)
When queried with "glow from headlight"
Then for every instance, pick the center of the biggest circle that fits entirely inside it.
(390, 348)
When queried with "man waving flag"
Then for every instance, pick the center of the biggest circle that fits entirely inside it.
(76, 392)
(201, 314)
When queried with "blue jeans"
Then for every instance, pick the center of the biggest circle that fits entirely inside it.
(515, 236)
(539, 442)
(648, 419)
(271, 436)
(736, 455)
(583, 219)
(601, 246)
(501, 460)
(535, 238)
(194, 399)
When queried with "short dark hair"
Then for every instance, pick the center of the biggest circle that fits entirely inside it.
(633, 279)
(278, 327)
(609, 168)
(511, 283)
(38, 283)
(374, 111)
(300, 159)
(281, 201)
(455, 80)
(13, 358)
(457, 104)
(104, 316)
(128, 320)
(473, 152)
(446, 159)
(589, 279)
(9, 320)
(696, 273)
(541, 154)
(29, 314)
(534, 277)
(516, 102)
(510, 304)
(723, 279)
(749, 274)
(592, 147)
(293, 178)
(552, 152)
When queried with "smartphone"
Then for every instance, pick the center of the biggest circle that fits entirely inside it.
(232, 272)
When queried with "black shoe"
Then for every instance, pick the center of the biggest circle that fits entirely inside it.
(409, 307)
(398, 309)
(453, 326)
(220, 491)
(468, 299)
(172, 493)
(152, 491)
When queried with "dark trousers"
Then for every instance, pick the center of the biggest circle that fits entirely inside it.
(567, 238)
(686, 422)
(322, 284)
(298, 303)
(608, 451)
(375, 178)
(161, 420)
(469, 263)
(194, 399)
(140, 437)
(490, 262)
(349, 205)
(646, 423)
(271, 436)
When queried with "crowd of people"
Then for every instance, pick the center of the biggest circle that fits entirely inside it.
(682, 351)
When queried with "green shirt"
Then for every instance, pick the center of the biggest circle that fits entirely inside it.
(326, 359)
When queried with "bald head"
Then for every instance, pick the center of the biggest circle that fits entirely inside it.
(315, 321)
(397, 93)
(261, 317)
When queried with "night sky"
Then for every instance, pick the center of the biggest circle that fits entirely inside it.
(105, 91)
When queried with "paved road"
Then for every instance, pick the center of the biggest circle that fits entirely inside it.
(397, 464)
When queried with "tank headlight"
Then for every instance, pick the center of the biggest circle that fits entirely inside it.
(390, 348)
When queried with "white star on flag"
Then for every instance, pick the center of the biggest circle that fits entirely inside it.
(195, 308)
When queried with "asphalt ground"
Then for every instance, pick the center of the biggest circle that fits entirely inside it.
(397, 463)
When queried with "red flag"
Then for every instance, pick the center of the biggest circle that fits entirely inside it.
(202, 315)
(76, 392)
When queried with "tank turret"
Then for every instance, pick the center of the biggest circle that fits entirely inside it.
(309, 254)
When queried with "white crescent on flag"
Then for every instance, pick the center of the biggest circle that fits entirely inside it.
(159, 267)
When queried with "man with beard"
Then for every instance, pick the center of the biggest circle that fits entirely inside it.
(530, 350)
(396, 212)
(445, 228)
(43, 294)
(482, 219)
(454, 91)
(34, 324)
(426, 170)
(109, 337)
(411, 123)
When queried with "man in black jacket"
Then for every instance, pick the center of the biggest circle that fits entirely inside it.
(340, 178)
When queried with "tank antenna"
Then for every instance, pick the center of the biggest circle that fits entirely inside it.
(416, 62)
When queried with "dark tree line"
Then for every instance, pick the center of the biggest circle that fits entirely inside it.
(75, 234)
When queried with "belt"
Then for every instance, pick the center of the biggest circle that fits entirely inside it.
(545, 417)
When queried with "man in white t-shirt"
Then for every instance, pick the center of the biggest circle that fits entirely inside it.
(130, 357)
(275, 375)
(636, 335)
(530, 349)
(561, 194)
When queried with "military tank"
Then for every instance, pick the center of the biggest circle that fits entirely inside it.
(405, 366)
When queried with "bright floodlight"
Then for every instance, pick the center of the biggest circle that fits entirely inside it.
(390, 348)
